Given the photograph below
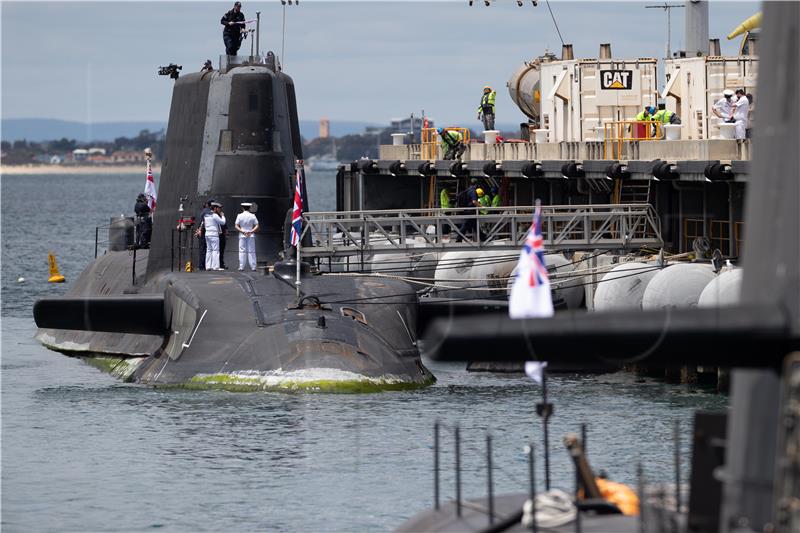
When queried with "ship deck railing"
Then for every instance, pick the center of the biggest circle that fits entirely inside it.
(564, 227)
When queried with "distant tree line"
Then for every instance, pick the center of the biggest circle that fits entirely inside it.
(23, 151)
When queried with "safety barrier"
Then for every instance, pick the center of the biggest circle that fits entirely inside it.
(617, 133)
(431, 141)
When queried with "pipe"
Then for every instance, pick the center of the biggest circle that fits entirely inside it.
(696, 27)
(605, 51)
(750, 24)
(566, 52)
(714, 48)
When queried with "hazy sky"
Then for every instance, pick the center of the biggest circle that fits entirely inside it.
(366, 61)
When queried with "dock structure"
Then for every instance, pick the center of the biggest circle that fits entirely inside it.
(696, 188)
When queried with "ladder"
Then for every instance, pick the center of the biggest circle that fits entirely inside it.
(633, 192)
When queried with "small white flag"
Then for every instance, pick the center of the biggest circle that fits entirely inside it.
(150, 188)
(535, 370)
(530, 293)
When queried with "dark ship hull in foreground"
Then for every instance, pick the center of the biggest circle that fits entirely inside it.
(234, 136)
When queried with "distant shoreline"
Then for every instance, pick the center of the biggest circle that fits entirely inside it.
(76, 169)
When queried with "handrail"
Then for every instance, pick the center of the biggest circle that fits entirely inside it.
(617, 132)
(572, 227)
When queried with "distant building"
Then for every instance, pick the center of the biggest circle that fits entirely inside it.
(97, 151)
(324, 128)
(404, 125)
(127, 156)
(80, 154)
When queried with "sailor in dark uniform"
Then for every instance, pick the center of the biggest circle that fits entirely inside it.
(233, 21)
(144, 224)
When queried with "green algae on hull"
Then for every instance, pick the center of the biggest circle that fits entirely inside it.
(119, 367)
(256, 383)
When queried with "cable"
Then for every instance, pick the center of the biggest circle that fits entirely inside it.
(385, 299)
(554, 22)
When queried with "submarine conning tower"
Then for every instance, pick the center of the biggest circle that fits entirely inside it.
(233, 135)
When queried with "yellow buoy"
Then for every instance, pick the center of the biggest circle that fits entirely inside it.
(55, 275)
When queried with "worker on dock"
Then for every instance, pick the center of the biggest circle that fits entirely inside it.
(452, 143)
(486, 108)
(496, 200)
(665, 116)
(468, 198)
(233, 21)
(247, 224)
(741, 110)
(483, 200)
(444, 198)
(213, 222)
(722, 108)
(144, 222)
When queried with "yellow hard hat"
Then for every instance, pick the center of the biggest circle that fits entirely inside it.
(485, 87)
(479, 192)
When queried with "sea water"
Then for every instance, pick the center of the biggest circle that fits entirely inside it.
(84, 452)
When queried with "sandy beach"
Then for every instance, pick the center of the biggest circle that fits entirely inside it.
(77, 169)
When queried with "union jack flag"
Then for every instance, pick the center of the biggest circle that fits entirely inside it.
(297, 211)
(530, 293)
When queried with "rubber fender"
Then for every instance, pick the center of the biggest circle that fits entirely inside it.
(664, 171)
(617, 171)
(709, 170)
(654, 169)
(667, 172)
(397, 167)
(367, 165)
(531, 170)
(490, 169)
(572, 170)
(425, 168)
(718, 172)
(457, 168)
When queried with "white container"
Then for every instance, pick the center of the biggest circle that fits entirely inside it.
(540, 136)
(398, 138)
(490, 136)
(672, 132)
(694, 84)
(727, 131)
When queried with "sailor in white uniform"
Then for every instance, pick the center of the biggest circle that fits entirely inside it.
(247, 225)
(724, 106)
(212, 222)
(741, 109)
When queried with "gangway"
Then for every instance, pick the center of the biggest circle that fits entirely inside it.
(564, 227)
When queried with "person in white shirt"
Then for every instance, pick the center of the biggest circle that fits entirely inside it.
(247, 225)
(723, 107)
(212, 223)
(741, 109)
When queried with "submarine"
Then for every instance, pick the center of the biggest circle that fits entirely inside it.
(233, 135)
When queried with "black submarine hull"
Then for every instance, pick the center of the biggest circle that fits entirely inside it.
(240, 331)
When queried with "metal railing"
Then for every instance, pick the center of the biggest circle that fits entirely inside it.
(564, 227)
(615, 134)
(431, 141)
